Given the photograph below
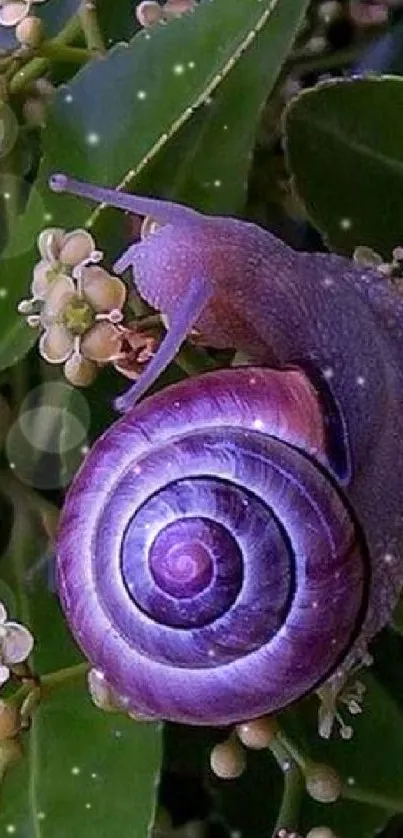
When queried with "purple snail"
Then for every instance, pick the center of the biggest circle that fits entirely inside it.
(233, 540)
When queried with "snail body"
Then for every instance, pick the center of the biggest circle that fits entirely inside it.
(233, 540)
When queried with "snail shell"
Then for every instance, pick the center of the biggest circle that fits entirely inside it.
(208, 563)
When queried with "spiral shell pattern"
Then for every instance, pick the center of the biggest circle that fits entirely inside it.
(207, 563)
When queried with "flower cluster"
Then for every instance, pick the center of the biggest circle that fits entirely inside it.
(78, 306)
(340, 691)
(16, 644)
(12, 12)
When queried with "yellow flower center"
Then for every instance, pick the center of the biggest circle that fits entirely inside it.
(78, 317)
(54, 272)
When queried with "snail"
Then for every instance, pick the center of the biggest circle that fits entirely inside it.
(234, 539)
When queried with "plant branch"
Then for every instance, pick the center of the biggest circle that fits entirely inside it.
(372, 798)
(37, 66)
(60, 52)
(50, 682)
(288, 816)
(90, 26)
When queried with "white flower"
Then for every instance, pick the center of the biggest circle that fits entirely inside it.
(338, 691)
(77, 304)
(13, 11)
(16, 644)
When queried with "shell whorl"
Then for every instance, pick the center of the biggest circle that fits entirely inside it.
(208, 564)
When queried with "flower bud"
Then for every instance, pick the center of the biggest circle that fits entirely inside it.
(9, 720)
(176, 8)
(148, 13)
(227, 760)
(323, 782)
(102, 693)
(258, 733)
(30, 31)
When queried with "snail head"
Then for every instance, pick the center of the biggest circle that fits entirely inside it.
(188, 269)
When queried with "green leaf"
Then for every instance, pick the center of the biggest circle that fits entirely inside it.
(207, 164)
(345, 154)
(98, 135)
(371, 760)
(85, 773)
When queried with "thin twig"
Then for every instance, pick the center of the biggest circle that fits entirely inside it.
(90, 26)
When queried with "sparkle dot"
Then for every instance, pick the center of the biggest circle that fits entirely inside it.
(225, 128)
(3, 293)
(88, 805)
(258, 424)
(12, 465)
(141, 94)
(41, 816)
(360, 380)
(350, 781)
(217, 183)
(118, 734)
(252, 380)
(286, 765)
(7, 195)
(84, 450)
(191, 65)
(48, 216)
(75, 770)
(345, 223)
(179, 69)
(208, 100)
(94, 775)
(328, 373)
(93, 138)
(315, 603)
(68, 98)
(388, 558)
(10, 828)
(327, 282)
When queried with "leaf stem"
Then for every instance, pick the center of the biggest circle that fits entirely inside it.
(51, 682)
(37, 66)
(372, 798)
(90, 26)
(292, 750)
(288, 816)
(60, 52)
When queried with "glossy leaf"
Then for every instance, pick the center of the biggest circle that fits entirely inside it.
(207, 163)
(345, 154)
(189, 57)
(84, 772)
